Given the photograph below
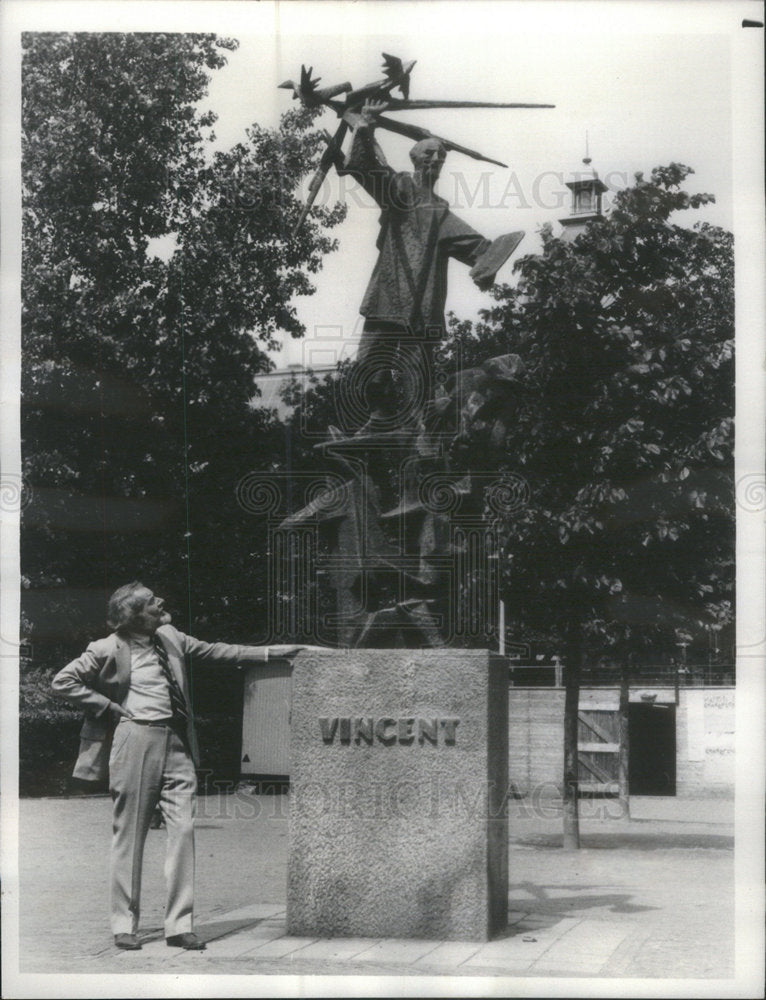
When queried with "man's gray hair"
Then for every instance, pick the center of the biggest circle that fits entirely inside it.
(124, 604)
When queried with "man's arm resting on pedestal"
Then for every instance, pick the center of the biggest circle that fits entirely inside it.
(234, 654)
(268, 654)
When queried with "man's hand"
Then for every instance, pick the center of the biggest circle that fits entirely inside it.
(288, 652)
(283, 652)
(118, 711)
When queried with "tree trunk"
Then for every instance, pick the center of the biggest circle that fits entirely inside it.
(571, 706)
(624, 757)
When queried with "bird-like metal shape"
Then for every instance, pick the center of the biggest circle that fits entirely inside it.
(308, 94)
(396, 70)
(397, 76)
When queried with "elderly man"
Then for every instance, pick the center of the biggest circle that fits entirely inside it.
(134, 681)
(406, 295)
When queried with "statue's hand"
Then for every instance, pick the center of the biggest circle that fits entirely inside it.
(482, 275)
(484, 282)
(371, 110)
(366, 116)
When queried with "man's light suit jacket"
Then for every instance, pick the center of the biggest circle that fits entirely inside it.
(101, 676)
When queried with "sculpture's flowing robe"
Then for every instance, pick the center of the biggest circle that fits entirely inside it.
(418, 235)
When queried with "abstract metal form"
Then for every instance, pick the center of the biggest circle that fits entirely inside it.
(397, 77)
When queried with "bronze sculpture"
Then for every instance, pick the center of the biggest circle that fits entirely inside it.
(393, 557)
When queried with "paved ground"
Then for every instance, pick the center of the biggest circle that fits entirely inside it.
(647, 897)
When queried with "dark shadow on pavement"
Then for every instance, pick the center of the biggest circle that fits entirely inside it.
(526, 916)
(223, 928)
(565, 906)
(206, 932)
(636, 841)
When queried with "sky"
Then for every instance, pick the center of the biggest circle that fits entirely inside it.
(645, 96)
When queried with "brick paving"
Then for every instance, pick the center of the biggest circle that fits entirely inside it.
(649, 897)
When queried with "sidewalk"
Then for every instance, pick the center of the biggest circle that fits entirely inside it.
(647, 897)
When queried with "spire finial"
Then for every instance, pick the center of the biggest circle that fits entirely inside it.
(586, 159)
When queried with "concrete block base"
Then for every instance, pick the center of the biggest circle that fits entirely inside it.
(398, 813)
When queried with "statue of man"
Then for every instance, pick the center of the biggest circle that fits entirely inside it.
(405, 298)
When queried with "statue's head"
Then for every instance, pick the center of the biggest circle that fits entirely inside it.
(428, 158)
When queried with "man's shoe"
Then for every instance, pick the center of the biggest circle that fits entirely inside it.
(128, 942)
(189, 942)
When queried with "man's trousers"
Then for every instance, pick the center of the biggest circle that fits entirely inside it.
(150, 765)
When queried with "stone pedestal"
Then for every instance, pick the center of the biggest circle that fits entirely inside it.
(398, 814)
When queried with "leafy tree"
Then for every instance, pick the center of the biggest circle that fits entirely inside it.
(156, 274)
(623, 431)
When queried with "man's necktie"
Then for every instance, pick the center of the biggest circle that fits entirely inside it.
(177, 700)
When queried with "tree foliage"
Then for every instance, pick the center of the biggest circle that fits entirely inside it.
(624, 426)
(156, 274)
(624, 434)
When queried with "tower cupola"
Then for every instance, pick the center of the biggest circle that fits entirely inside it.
(587, 189)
